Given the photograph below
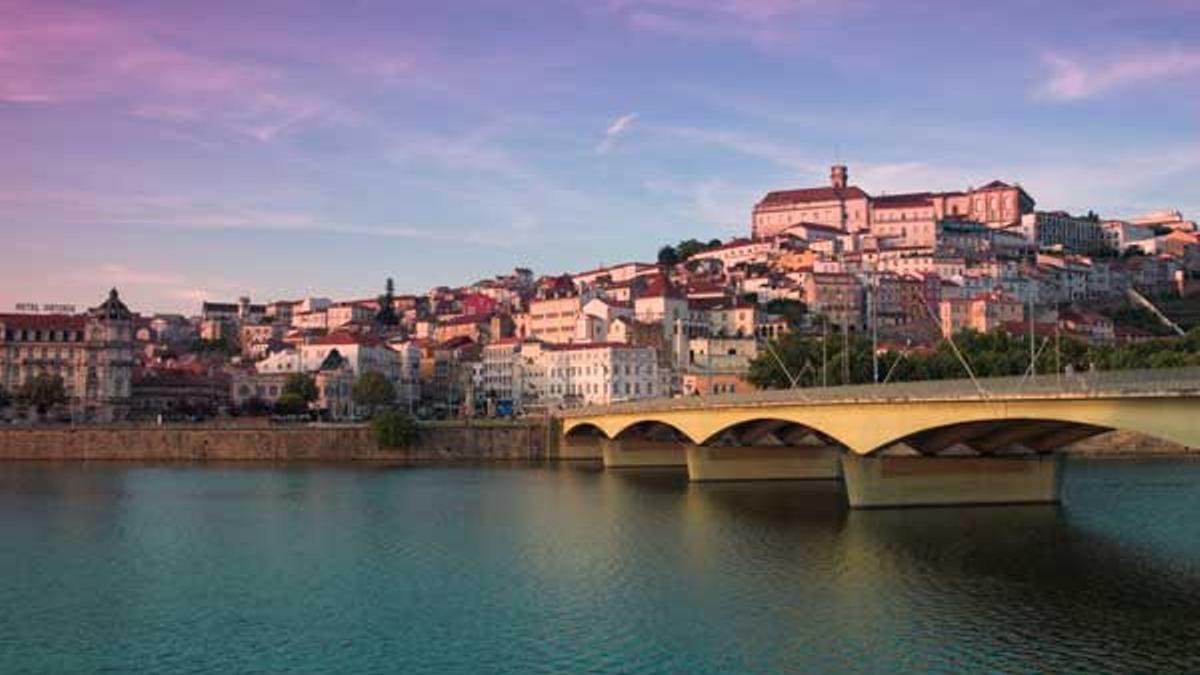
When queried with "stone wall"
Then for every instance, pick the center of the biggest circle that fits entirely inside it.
(437, 442)
(1122, 443)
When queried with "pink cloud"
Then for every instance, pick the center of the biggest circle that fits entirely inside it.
(1071, 80)
(54, 54)
(767, 23)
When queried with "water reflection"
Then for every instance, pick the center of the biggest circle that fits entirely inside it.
(568, 568)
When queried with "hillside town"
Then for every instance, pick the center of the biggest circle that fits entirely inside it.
(902, 269)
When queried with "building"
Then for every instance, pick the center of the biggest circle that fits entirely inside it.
(553, 319)
(401, 364)
(178, 393)
(982, 313)
(1058, 229)
(92, 353)
(1168, 219)
(851, 210)
(718, 365)
(839, 297)
(614, 274)
(841, 206)
(587, 374)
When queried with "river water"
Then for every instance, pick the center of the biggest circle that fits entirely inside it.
(230, 569)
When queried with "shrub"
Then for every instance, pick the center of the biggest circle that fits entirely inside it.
(394, 429)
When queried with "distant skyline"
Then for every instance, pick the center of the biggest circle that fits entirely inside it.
(187, 150)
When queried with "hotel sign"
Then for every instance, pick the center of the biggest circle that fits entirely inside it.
(44, 308)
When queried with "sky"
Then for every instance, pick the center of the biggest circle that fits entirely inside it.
(191, 150)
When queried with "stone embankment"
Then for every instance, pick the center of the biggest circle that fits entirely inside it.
(1129, 444)
(457, 441)
(484, 441)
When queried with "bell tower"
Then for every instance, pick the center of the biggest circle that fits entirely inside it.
(839, 176)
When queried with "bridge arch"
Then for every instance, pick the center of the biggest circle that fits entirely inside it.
(653, 429)
(584, 430)
(988, 437)
(769, 431)
(868, 426)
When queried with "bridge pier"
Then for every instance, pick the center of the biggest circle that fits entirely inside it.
(581, 448)
(880, 482)
(639, 453)
(763, 462)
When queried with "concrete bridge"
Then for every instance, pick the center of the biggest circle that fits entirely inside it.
(924, 443)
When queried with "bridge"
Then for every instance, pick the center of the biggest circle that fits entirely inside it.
(944, 442)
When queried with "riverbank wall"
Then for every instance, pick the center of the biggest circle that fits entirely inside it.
(451, 441)
(475, 441)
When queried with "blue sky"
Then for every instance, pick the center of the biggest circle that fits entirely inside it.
(279, 148)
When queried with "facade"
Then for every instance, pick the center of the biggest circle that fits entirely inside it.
(588, 374)
(92, 353)
(841, 206)
(839, 297)
(1050, 229)
(851, 210)
(1168, 219)
(553, 319)
(982, 313)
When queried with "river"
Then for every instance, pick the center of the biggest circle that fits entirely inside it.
(371, 569)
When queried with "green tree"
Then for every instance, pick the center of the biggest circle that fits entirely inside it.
(303, 386)
(255, 407)
(668, 256)
(219, 346)
(290, 403)
(394, 429)
(43, 392)
(373, 391)
(689, 248)
(792, 311)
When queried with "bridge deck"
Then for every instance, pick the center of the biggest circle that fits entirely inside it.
(1161, 383)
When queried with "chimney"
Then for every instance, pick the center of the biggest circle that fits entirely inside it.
(838, 176)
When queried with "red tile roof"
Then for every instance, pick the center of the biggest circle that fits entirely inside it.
(808, 195)
(902, 201)
(464, 319)
(343, 338)
(43, 321)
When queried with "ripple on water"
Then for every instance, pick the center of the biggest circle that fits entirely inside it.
(363, 570)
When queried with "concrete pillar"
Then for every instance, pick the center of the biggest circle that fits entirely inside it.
(580, 448)
(763, 462)
(639, 453)
(873, 482)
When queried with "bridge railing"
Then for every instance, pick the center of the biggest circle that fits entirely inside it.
(1089, 384)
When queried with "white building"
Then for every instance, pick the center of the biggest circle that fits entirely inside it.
(588, 374)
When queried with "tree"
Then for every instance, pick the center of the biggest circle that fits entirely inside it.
(689, 248)
(290, 403)
(394, 429)
(302, 386)
(373, 391)
(667, 256)
(387, 310)
(255, 407)
(220, 346)
(43, 392)
(792, 311)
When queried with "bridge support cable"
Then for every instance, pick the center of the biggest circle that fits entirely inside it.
(899, 357)
(794, 380)
(961, 359)
(1029, 369)
(1142, 301)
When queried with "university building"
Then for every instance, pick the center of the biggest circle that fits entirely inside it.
(850, 209)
